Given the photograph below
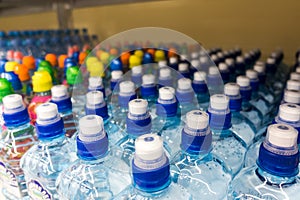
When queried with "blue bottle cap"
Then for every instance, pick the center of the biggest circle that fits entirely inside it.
(2, 65)
(13, 79)
(116, 64)
(232, 91)
(147, 58)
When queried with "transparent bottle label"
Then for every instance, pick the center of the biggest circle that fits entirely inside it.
(9, 181)
(37, 191)
(244, 132)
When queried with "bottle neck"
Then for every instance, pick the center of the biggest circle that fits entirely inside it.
(219, 119)
(270, 179)
(44, 93)
(138, 124)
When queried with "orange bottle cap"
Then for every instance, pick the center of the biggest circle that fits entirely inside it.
(29, 62)
(61, 60)
(22, 71)
(50, 57)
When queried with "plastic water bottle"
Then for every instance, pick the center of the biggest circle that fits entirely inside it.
(149, 89)
(95, 174)
(119, 110)
(43, 162)
(42, 83)
(138, 122)
(241, 126)
(214, 80)
(240, 65)
(254, 83)
(136, 75)
(173, 63)
(194, 166)
(224, 71)
(17, 137)
(96, 84)
(288, 114)
(185, 96)
(165, 77)
(116, 77)
(201, 90)
(275, 174)
(96, 105)
(183, 70)
(61, 98)
(226, 145)
(167, 123)
(151, 173)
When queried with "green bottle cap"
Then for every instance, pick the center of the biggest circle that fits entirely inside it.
(5, 88)
(74, 75)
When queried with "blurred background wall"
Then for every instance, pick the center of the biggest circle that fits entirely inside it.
(266, 24)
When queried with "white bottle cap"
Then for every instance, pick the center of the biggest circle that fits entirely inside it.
(12, 101)
(116, 75)
(293, 85)
(203, 59)
(220, 55)
(94, 98)
(292, 96)
(252, 74)
(223, 67)
(59, 91)
(231, 89)
(173, 60)
(229, 61)
(164, 72)
(166, 93)
(127, 87)
(240, 59)
(260, 63)
(200, 76)
(137, 70)
(295, 76)
(183, 67)
(91, 128)
(259, 68)
(202, 53)
(271, 61)
(282, 135)
(219, 101)
(46, 111)
(197, 119)
(289, 112)
(214, 57)
(148, 79)
(247, 55)
(184, 84)
(95, 81)
(194, 55)
(298, 69)
(138, 106)
(183, 57)
(195, 63)
(149, 147)
(243, 81)
(213, 70)
(162, 63)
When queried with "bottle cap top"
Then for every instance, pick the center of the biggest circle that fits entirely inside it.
(200, 76)
(232, 89)
(162, 63)
(29, 62)
(229, 61)
(74, 75)
(260, 63)
(13, 101)
(159, 55)
(213, 70)
(289, 112)
(271, 61)
(293, 85)
(138, 106)
(96, 69)
(95, 82)
(46, 111)
(259, 68)
(59, 91)
(137, 70)
(282, 135)
(243, 81)
(184, 84)
(292, 96)
(298, 69)
(223, 67)
(183, 57)
(183, 67)
(195, 63)
(10, 66)
(149, 147)
(139, 53)
(5, 88)
(134, 61)
(22, 71)
(164, 72)
(173, 60)
(203, 59)
(295, 76)
(91, 128)
(127, 87)
(148, 79)
(117, 74)
(197, 119)
(50, 57)
(41, 81)
(219, 101)
(194, 55)
(94, 98)
(240, 59)
(252, 74)
(166, 93)
(220, 54)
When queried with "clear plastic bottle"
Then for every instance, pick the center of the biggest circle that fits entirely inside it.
(149, 89)
(96, 105)
(241, 126)
(151, 173)
(194, 166)
(214, 80)
(96, 83)
(224, 71)
(17, 137)
(165, 78)
(167, 123)
(136, 75)
(275, 174)
(120, 109)
(43, 162)
(227, 146)
(201, 90)
(183, 70)
(288, 114)
(95, 174)
(61, 98)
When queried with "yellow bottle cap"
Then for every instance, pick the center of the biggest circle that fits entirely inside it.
(41, 81)
(90, 60)
(10, 66)
(104, 57)
(139, 53)
(134, 61)
(159, 55)
(96, 69)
